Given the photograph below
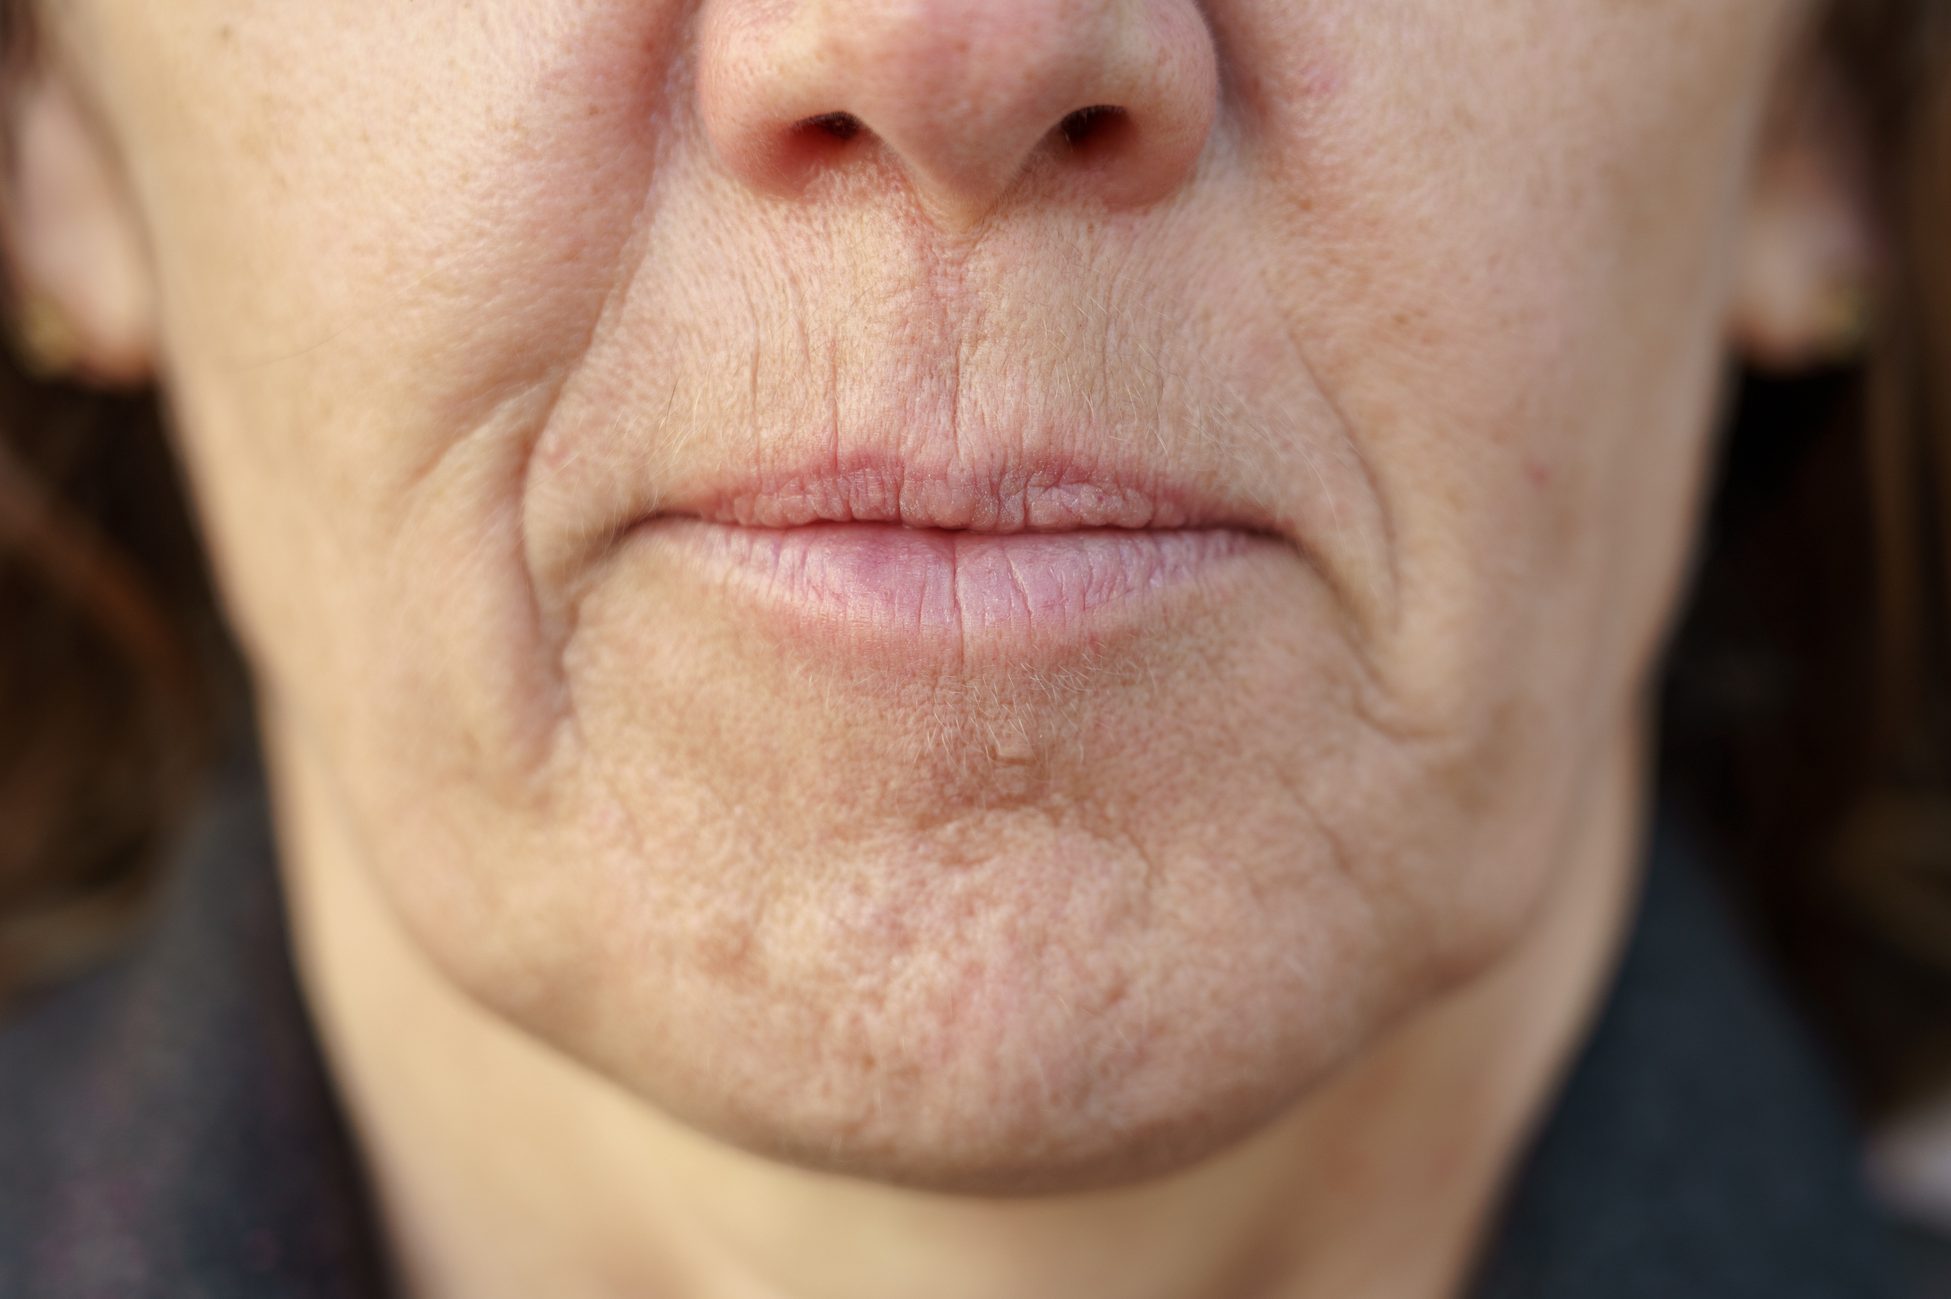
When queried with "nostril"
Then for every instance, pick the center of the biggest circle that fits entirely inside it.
(960, 105)
(1093, 125)
(809, 146)
(839, 126)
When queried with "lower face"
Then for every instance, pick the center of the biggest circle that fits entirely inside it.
(604, 526)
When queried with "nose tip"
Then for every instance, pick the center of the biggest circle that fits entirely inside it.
(966, 101)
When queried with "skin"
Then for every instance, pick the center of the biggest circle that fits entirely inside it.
(1223, 956)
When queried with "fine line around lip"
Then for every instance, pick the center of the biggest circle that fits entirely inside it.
(894, 584)
(1022, 493)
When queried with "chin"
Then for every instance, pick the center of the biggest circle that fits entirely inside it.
(1058, 1016)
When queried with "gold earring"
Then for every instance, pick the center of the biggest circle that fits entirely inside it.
(47, 342)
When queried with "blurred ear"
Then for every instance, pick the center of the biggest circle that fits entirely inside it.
(1808, 254)
(72, 245)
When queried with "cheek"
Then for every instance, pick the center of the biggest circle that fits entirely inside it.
(384, 238)
(1513, 285)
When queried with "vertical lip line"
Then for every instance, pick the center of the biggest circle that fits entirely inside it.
(927, 593)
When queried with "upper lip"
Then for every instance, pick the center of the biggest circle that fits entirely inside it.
(1029, 493)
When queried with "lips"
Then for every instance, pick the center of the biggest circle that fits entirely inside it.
(1041, 495)
(1027, 553)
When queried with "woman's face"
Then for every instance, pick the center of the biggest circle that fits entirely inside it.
(1266, 508)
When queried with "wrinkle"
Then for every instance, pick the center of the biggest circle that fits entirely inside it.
(1340, 860)
(562, 706)
(240, 364)
(1345, 426)
(1374, 680)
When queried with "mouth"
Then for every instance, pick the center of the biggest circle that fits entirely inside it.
(1022, 556)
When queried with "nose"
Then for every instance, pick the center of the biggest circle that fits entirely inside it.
(971, 99)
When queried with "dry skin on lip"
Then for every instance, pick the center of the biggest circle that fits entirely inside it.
(965, 583)
(1010, 498)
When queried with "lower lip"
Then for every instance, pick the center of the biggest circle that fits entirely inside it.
(957, 588)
